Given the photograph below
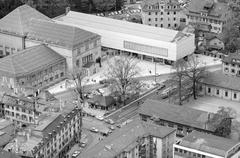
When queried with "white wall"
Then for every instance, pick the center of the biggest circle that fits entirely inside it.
(186, 46)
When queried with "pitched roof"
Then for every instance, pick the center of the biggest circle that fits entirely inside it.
(103, 100)
(16, 22)
(178, 114)
(6, 154)
(217, 11)
(58, 34)
(217, 78)
(28, 60)
(208, 143)
(125, 138)
(5, 138)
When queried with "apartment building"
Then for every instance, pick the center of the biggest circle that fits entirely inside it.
(208, 15)
(224, 83)
(161, 13)
(184, 119)
(202, 145)
(21, 111)
(37, 66)
(51, 138)
(136, 139)
(13, 29)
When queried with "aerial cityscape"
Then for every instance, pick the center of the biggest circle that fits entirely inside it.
(120, 79)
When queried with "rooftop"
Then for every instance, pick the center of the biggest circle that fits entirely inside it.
(208, 143)
(125, 139)
(217, 78)
(178, 114)
(6, 154)
(16, 22)
(93, 23)
(58, 34)
(28, 60)
(102, 100)
(5, 138)
(233, 58)
(4, 123)
(216, 9)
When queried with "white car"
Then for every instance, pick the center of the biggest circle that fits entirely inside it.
(101, 118)
(93, 129)
(76, 153)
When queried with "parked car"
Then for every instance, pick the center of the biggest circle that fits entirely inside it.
(111, 127)
(111, 122)
(76, 153)
(93, 129)
(100, 118)
(82, 145)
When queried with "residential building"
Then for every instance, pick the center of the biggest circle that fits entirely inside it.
(224, 83)
(80, 48)
(129, 1)
(202, 145)
(37, 66)
(6, 154)
(184, 119)
(208, 15)
(140, 41)
(161, 13)
(135, 140)
(14, 28)
(52, 137)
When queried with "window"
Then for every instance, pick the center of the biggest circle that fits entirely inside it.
(156, 13)
(226, 69)
(156, 25)
(217, 92)
(51, 79)
(209, 90)
(176, 149)
(56, 76)
(155, 19)
(149, 19)
(169, 25)
(168, 13)
(62, 74)
(226, 93)
(77, 63)
(161, 25)
(174, 19)
(161, 13)
(235, 95)
(149, 13)
(233, 70)
(161, 19)
(174, 13)
(175, 25)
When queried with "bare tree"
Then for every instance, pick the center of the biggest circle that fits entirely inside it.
(122, 72)
(78, 78)
(178, 77)
(195, 73)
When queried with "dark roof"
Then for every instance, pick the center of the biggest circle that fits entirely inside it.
(103, 100)
(5, 154)
(17, 21)
(58, 34)
(208, 143)
(125, 138)
(218, 10)
(218, 79)
(178, 114)
(28, 60)
(231, 56)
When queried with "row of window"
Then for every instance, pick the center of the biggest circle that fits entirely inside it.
(157, 7)
(226, 94)
(190, 154)
(161, 13)
(45, 81)
(232, 64)
(204, 19)
(88, 46)
(161, 19)
(161, 25)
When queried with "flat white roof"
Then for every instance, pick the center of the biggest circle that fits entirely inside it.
(120, 26)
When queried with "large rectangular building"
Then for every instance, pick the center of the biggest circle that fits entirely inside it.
(132, 38)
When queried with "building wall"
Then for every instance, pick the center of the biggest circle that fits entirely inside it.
(220, 92)
(71, 56)
(10, 44)
(19, 115)
(162, 16)
(186, 46)
(216, 42)
(231, 69)
(183, 152)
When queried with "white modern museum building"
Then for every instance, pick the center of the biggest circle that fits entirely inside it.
(142, 41)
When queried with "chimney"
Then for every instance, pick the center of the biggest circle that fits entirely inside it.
(67, 10)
